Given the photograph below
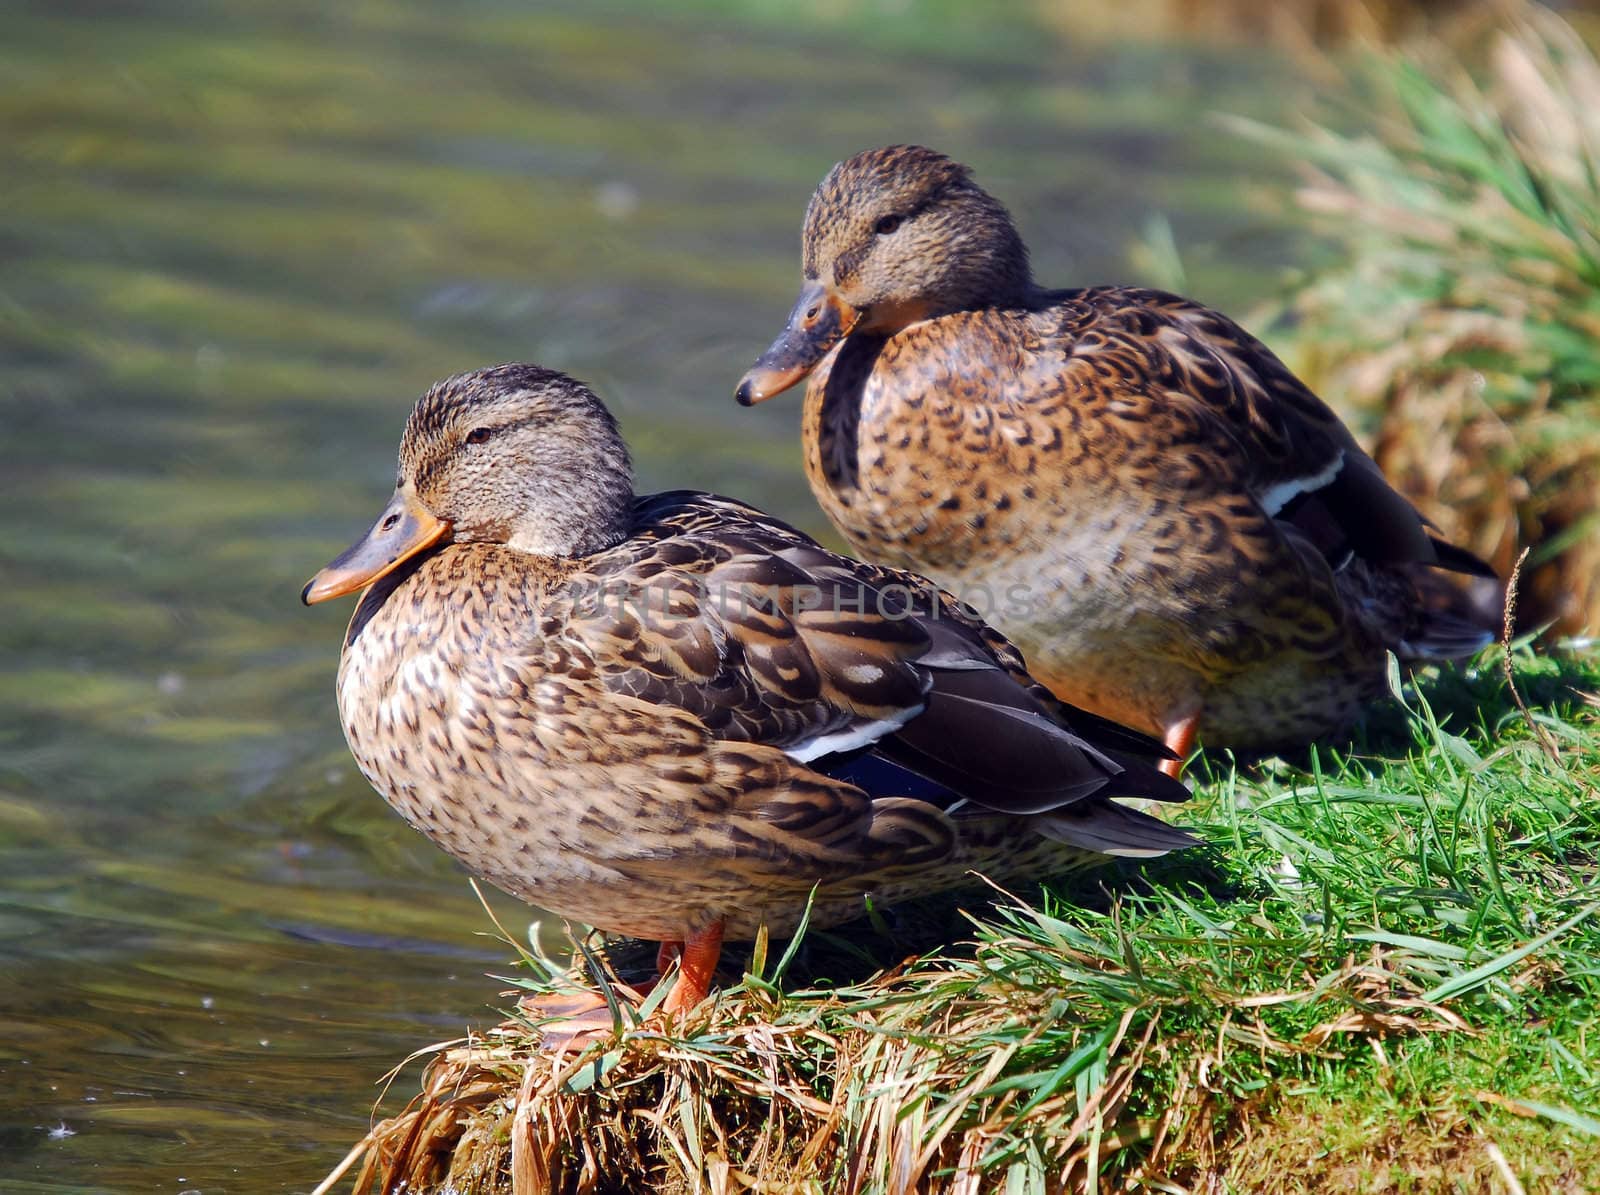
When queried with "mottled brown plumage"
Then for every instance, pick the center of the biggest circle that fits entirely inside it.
(671, 715)
(1176, 532)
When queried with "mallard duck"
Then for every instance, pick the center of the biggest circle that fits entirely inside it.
(671, 716)
(1174, 530)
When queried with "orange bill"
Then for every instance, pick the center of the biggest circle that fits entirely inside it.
(817, 323)
(405, 528)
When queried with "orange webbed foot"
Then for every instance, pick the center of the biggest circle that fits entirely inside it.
(573, 1019)
(576, 1018)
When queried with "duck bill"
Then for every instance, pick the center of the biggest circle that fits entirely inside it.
(817, 323)
(404, 528)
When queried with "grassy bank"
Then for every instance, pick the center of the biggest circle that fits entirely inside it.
(1383, 975)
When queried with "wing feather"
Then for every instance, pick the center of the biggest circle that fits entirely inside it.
(822, 656)
(1239, 414)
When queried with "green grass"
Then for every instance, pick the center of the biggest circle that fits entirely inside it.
(1381, 974)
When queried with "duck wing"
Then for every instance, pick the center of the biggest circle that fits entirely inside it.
(867, 674)
(1243, 420)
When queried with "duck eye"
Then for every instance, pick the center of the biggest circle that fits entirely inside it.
(478, 435)
(887, 224)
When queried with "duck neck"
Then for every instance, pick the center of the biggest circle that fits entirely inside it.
(999, 275)
(1011, 283)
(1002, 283)
(575, 515)
(565, 542)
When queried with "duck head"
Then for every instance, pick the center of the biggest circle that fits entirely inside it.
(515, 455)
(892, 236)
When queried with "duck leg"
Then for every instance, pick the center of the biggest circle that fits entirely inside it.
(697, 966)
(579, 1017)
(1180, 739)
(572, 1019)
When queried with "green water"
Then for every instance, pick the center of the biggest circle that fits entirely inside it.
(236, 240)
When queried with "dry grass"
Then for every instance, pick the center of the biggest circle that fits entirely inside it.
(733, 1104)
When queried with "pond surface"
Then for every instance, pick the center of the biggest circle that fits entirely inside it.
(236, 241)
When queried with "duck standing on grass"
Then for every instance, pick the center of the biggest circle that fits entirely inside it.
(672, 716)
(1175, 531)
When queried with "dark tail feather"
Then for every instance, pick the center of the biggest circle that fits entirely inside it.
(1141, 779)
(1453, 620)
(1109, 735)
(1113, 829)
(1459, 560)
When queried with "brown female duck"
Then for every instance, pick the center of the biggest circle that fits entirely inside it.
(1175, 531)
(672, 716)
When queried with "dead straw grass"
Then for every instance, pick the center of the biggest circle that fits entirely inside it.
(830, 1092)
